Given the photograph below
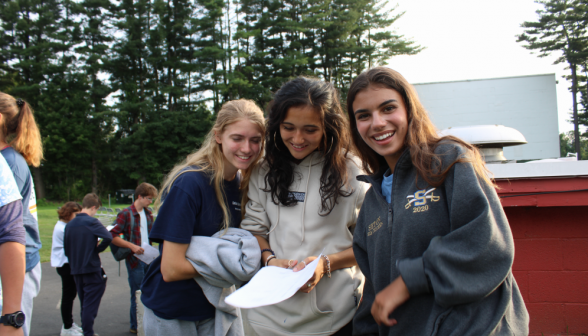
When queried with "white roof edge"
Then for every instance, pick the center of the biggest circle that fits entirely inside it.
(483, 79)
(539, 169)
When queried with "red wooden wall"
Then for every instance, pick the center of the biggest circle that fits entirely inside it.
(551, 251)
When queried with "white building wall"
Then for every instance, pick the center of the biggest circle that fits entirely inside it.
(527, 103)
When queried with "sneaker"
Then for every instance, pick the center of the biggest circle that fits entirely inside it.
(133, 331)
(77, 327)
(70, 332)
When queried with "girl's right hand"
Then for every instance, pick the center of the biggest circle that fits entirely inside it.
(283, 263)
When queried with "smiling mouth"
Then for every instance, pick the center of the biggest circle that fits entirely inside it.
(384, 136)
(298, 147)
(243, 157)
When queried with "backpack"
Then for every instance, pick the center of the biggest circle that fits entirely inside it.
(121, 253)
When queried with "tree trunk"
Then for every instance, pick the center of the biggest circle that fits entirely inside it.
(39, 186)
(94, 176)
(575, 112)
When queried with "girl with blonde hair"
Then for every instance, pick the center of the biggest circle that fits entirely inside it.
(199, 197)
(21, 146)
(432, 239)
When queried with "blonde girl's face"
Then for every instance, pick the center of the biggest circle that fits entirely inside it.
(241, 144)
(382, 121)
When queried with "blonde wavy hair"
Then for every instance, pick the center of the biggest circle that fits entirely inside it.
(19, 129)
(210, 159)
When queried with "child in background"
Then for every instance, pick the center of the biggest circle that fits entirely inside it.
(81, 249)
(66, 213)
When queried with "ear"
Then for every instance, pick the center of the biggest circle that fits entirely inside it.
(217, 138)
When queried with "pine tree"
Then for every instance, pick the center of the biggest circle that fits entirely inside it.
(560, 29)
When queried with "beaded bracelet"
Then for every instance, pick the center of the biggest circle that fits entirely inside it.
(269, 258)
(268, 250)
(328, 265)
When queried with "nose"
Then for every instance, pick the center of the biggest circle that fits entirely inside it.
(298, 138)
(247, 147)
(378, 121)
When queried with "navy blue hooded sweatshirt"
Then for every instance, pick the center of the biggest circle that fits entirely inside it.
(451, 244)
(80, 243)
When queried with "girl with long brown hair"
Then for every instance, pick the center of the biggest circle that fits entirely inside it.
(21, 146)
(303, 200)
(431, 238)
(199, 197)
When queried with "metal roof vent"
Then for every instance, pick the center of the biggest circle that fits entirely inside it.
(490, 139)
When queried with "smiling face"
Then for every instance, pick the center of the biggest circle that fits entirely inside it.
(382, 121)
(302, 131)
(241, 144)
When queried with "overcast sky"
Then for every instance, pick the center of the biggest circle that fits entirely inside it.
(474, 39)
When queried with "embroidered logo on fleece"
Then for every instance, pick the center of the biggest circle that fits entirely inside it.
(375, 226)
(419, 200)
(298, 196)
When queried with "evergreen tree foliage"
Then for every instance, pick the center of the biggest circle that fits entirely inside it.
(125, 89)
(562, 29)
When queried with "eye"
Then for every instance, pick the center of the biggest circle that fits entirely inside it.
(287, 128)
(389, 108)
(362, 116)
(311, 130)
(256, 140)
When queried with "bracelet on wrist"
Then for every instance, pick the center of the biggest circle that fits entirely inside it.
(269, 258)
(268, 250)
(328, 265)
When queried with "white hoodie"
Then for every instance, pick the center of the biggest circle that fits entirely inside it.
(297, 232)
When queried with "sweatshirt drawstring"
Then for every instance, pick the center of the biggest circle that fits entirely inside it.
(305, 197)
(277, 221)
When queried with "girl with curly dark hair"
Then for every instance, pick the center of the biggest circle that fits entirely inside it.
(304, 200)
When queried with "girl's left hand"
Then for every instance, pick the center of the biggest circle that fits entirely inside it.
(316, 277)
(386, 301)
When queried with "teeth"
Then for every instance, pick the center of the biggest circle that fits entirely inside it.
(243, 157)
(384, 136)
(299, 147)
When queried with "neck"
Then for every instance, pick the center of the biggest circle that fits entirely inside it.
(3, 144)
(230, 171)
(392, 160)
(87, 211)
(138, 206)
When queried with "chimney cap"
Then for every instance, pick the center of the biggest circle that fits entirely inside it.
(488, 136)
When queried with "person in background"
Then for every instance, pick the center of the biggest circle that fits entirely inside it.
(304, 200)
(432, 238)
(12, 254)
(20, 144)
(199, 197)
(66, 213)
(81, 249)
(136, 232)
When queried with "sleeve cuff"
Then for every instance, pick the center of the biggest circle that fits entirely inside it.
(413, 274)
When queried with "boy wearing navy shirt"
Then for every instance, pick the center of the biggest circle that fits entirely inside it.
(81, 249)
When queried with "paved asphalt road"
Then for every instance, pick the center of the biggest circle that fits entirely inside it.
(113, 316)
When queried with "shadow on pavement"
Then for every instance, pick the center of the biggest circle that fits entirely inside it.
(113, 316)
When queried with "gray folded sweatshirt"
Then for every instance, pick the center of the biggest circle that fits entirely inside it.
(226, 259)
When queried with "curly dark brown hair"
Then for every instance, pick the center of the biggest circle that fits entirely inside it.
(336, 141)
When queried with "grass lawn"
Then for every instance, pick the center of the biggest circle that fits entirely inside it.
(48, 217)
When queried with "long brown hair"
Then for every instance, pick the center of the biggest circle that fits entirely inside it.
(336, 142)
(421, 138)
(209, 158)
(19, 129)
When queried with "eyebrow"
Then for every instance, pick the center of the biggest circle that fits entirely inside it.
(382, 104)
(289, 123)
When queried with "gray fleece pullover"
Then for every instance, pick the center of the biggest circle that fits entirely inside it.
(453, 247)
